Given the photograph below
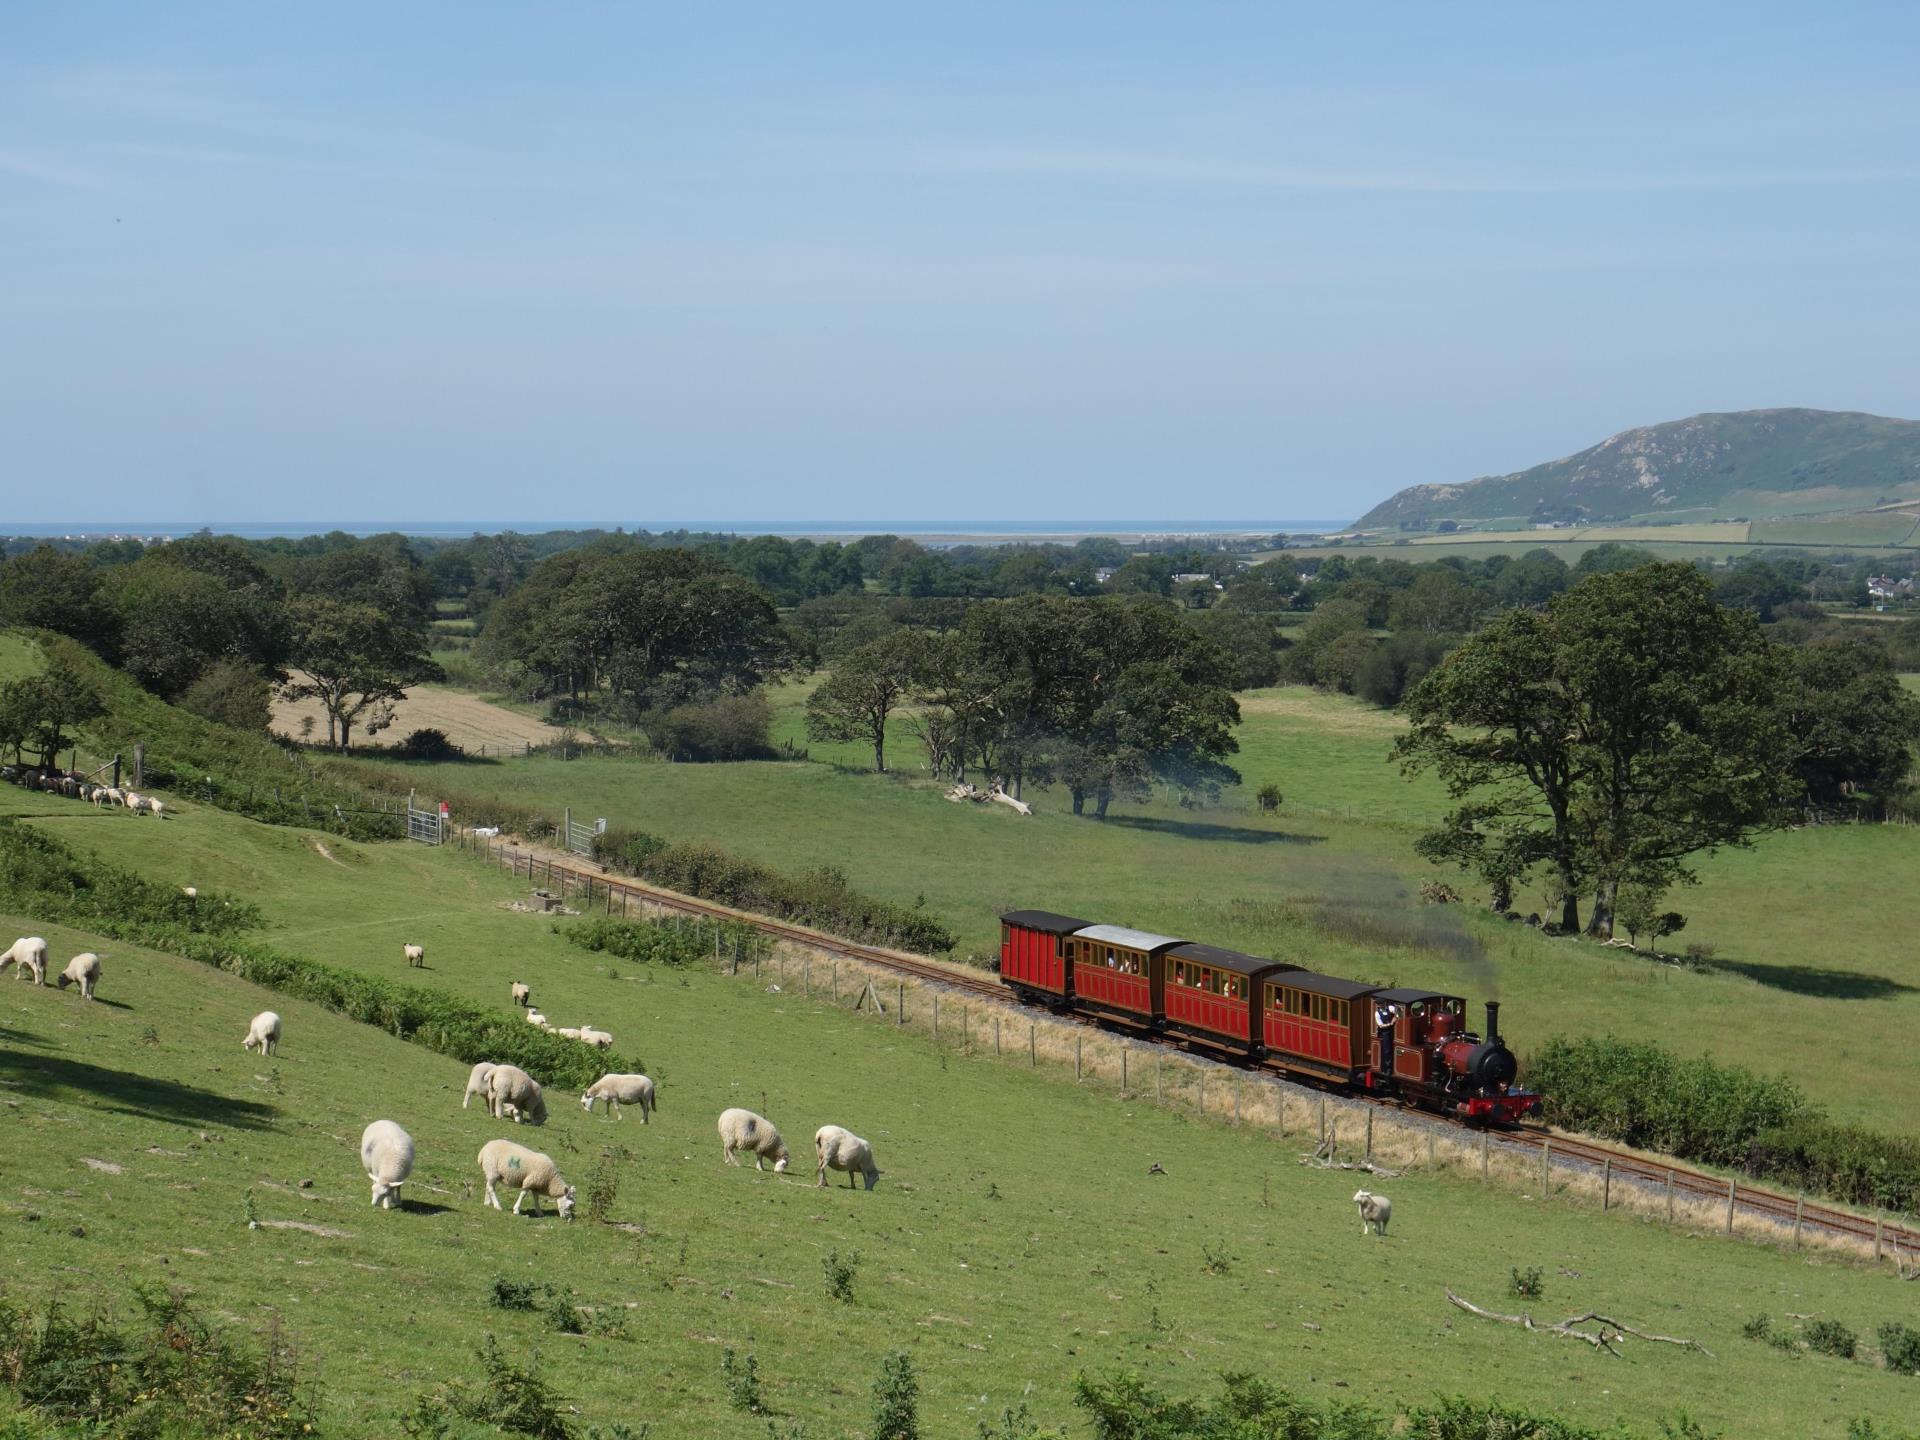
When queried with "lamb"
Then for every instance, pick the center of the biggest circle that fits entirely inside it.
(29, 952)
(416, 956)
(840, 1149)
(134, 801)
(107, 795)
(486, 832)
(534, 1017)
(1375, 1211)
(83, 970)
(511, 1092)
(158, 807)
(618, 1090)
(567, 1033)
(477, 1085)
(744, 1130)
(599, 1039)
(522, 996)
(387, 1152)
(527, 1171)
(264, 1032)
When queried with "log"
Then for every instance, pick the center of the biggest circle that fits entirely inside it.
(1610, 1329)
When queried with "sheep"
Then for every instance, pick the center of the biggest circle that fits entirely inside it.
(511, 1092)
(158, 807)
(567, 1033)
(839, 1149)
(264, 1032)
(527, 1171)
(477, 1084)
(83, 970)
(486, 832)
(29, 952)
(109, 795)
(522, 996)
(744, 1130)
(387, 1152)
(416, 956)
(618, 1090)
(534, 1017)
(1375, 1211)
(599, 1039)
(133, 801)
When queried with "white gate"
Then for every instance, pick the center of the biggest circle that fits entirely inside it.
(577, 835)
(428, 827)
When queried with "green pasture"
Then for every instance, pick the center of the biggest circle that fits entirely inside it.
(1894, 527)
(1008, 1257)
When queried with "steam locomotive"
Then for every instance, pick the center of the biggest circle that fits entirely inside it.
(1406, 1043)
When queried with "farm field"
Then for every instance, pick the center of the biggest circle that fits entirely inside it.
(1008, 1258)
(468, 721)
(1894, 527)
(1333, 892)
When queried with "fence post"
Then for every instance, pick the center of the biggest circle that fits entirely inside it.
(1077, 1040)
(1606, 1186)
(1323, 1119)
(1032, 1058)
(1433, 1160)
(966, 1030)
(1730, 1185)
(806, 980)
(1876, 1239)
(1799, 1208)
(1123, 1068)
(996, 1035)
(1203, 1090)
(1486, 1150)
(1236, 1099)
(1546, 1169)
(936, 1017)
(900, 1004)
(1669, 1197)
(1369, 1154)
(1156, 1077)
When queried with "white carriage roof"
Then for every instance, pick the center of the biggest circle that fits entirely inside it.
(1121, 935)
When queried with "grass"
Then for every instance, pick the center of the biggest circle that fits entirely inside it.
(1313, 886)
(1894, 527)
(1010, 1258)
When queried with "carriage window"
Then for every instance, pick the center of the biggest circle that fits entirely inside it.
(1006, 935)
(1059, 948)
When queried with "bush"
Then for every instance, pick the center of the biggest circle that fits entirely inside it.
(742, 1378)
(509, 1398)
(600, 1189)
(1269, 798)
(506, 1293)
(427, 744)
(231, 693)
(839, 1274)
(1527, 1283)
(664, 942)
(726, 727)
(896, 1399)
(1900, 1345)
(1848, 1162)
(1830, 1337)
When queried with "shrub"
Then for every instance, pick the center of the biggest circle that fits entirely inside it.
(600, 1189)
(1527, 1283)
(839, 1274)
(1848, 1162)
(1830, 1337)
(664, 942)
(515, 1400)
(1269, 798)
(1900, 1344)
(726, 727)
(896, 1399)
(742, 1378)
(231, 693)
(507, 1293)
(427, 744)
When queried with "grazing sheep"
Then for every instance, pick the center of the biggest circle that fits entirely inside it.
(83, 970)
(191, 892)
(1375, 1211)
(618, 1090)
(106, 795)
(134, 801)
(387, 1152)
(416, 956)
(534, 1017)
(840, 1149)
(29, 952)
(264, 1032)
(511, 1092)
(158, 807)
(486, 832)
(522, 996)
(477, 1085)
(599, 1039)
(528, 1171)
(744, 1130)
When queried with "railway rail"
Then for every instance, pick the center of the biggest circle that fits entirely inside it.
(1787, 1211)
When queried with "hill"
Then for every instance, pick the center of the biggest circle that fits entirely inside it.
(1744, 464)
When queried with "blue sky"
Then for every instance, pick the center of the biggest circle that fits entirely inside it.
(836, 261)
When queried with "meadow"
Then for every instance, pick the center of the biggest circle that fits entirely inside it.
(1009, 1258)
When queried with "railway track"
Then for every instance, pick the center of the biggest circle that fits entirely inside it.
(1788, 1211)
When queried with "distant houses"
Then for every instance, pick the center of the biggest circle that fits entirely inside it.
(1885, 587)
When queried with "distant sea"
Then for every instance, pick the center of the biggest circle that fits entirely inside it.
(941, 532)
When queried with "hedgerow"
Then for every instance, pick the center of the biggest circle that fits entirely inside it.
(38, 877)
(665, 942)
(1724, 1115)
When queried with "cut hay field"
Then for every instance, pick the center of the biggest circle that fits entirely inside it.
(1813, 969)
(468, 721)
(1009, 1258)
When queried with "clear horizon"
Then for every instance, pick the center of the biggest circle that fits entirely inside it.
(355, 260)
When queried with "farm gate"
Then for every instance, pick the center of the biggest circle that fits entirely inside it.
(577, 835)
(428, 827)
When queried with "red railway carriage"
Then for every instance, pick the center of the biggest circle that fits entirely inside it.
(1121, 971)
(1318, 1022)
(1211, 994)
(1421, 1023)
(1036, 950)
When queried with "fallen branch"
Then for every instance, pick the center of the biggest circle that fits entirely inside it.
(1610, 1329)
(1318, 1162)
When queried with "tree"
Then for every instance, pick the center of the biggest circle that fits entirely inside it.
(187, 605)
(1438, 602)
(231, 692)
(1632, 725)
(48, 589)
(863, 690)
(1854, 727)
(41, 709)
(354, 659)
(1639, 910)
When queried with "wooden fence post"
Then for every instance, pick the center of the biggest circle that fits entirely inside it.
(1032, 1058)
(900, 1004)
(1369, 1154)
(996, 1036)
(1076, 1059)
(1730, 1185)
(1236, 1099)
(836, 982)
(1799, 1209)
(1486, 1150)
(1669, 1197)
(1433, 1160)
(1876, 1239)
(966, 1029)
(1156, 1077)
(1203, 1090)
(1546, 1169)
(1323, 1119)
(1123, 1067)
(1606, 1186)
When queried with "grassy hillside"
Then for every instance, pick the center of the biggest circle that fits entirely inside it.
(1008, 1258)
(1749, 463)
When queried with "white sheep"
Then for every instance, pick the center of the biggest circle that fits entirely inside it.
(599, 1039)
(512, 1093)
(416, 956)
(618, 1090)
(522, 996)
(534, 1017)
(477, 1085)
(29, 952)
(263, 1033)
(528, 1171)
(567, 1033)
(1375, 1211)
(103, 795)
(158, 807)
(744, 1130)
(840, 1149)
(387, 1152)
(134, 801)
(83, 970)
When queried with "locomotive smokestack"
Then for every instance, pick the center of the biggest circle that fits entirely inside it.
(1493, 1021)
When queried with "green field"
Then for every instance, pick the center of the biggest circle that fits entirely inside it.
(1895, 527)
(1813, 969)
(1008, 1258)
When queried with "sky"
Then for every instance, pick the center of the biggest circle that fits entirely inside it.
(836, 261)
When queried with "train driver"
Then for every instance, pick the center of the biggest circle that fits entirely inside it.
(1384, 1014)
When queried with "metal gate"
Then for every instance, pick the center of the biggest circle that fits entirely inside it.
(429, 827)
(577, 835)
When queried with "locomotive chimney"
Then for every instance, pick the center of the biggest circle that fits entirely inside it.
(1493, 1021)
